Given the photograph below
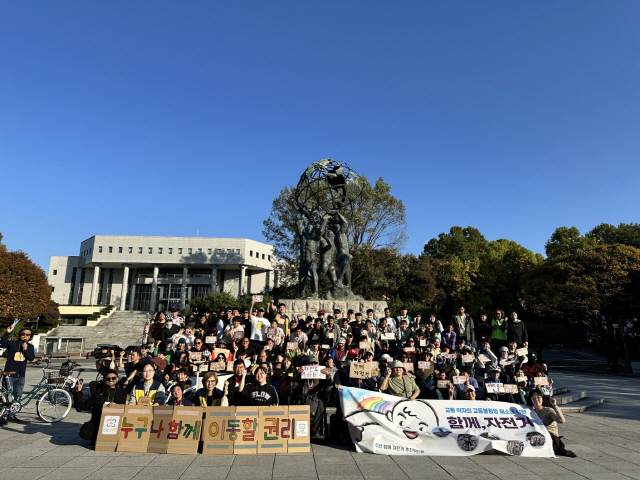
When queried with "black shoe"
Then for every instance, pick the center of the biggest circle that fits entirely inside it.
(3, 421)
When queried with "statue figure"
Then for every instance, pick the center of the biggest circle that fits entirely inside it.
(309, 239)
(327, 251)
(343, 257)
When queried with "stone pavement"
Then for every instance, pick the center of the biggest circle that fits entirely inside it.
(606, 440)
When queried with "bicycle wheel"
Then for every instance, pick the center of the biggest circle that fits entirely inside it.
(5, 400)
(54, 405)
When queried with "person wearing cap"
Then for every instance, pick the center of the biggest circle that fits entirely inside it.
(321, 317)
(384, 365)
(398, 384)
(468, 381)
(339, 353)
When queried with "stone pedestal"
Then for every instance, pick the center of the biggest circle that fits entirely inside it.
(311, 307)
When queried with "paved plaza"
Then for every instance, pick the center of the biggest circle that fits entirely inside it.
(606, 440)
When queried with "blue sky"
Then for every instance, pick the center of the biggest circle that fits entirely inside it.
(167, 118)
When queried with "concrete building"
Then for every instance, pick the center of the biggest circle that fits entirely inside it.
(147, 273)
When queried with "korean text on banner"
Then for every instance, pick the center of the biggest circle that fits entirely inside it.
(109, 428)
(135, 429)
(220, 430)
(389, 425)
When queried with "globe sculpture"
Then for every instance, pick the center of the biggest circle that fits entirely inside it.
(325, 195)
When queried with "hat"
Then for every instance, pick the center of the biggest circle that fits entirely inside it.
(182, 340)
(384, 342)
(320, 312)
(369, 353)
(313, 359)
(397, 364)
(385, 357)
(494, 369)
(470, 387)
(352, 353)
(261, 309)
(349, 334)
(503, 349)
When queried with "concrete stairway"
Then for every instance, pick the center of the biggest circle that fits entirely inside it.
(121, 328)
(575, 402)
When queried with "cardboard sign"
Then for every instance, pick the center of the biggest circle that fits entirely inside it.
(247, 441)
(504, 363)
(195, 356)
(467, 358)
(374, 366)
(218, 351)
(238, 334)
(521, 379)
(162, 416)
(510, 388)
(210, 340)
(144, 402)
(422, 342)
(312, 371)
(359, 370)
(483, 358)
(220, 430)
(390, 336)
(203, 367)
(410, 349)
(292, 345)
(257, 298)
(300, 441)
(494, 387)
(109, 428)
(329, 335)
(217, 366)
(184, 430)
(541, 381)
(521, 352)
(325, 346)
(459, 380)
(135, 429)
(274, 429)
(364, 345)
(443, 384)
(408, 366)
(271, 333)
(450, 356)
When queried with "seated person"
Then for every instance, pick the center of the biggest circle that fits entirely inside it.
(209, 395)
(177, 397)
(397, 382)
(469, 380)
(550, 415)
(106, 393)
(260, 393)
(148, 391)
(495, 376)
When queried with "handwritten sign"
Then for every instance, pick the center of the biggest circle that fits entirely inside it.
(359, 370)
(483, 358)
(364, 345)
(390, 336)
(510, 388)
(158, 440)
(325, 346)
(135, 429)
(257, 298)
(443, 384)
(218, 351)
(210, 340)
(467, 358)
(422, 342)
(109, 428)
(459, 380)
(410, 349)
(312, 371)
(220, 430)
(494, 387)
(195, 356)
(408, 366)
(184, 430)
(521, 379)
(292, 345)
(271, 333)
(541, 381)
(521, 352)
(217, 366)
(504, 363)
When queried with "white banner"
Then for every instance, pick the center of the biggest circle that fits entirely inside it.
(381, 423)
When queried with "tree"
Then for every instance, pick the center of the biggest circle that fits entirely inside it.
(50, 315)
(3, 248)
(589, 285)
(565, 240)
(377, 220)
(24, 289)
(624, 234)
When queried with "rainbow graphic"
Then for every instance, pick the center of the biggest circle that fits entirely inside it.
(376, 404)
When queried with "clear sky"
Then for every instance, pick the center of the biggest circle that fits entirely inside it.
(167, 118)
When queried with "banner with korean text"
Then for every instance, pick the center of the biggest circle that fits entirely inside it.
(389, 425)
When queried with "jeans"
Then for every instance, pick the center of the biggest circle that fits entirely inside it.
(17, 383)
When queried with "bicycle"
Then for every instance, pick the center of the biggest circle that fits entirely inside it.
(52, 406)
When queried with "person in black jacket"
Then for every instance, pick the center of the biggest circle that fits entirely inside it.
(18, 353)
(105, 394)
(516, 331)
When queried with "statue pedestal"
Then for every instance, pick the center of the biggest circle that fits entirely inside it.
(311, 307)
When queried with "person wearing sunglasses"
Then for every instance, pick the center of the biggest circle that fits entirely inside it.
(19, 352)
(106, 393)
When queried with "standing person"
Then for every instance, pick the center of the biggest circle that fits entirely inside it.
(404, 316)
(464, 328)
(483, 330)
(516, 331)
(19, 352)
(499, 335)
(331, 331)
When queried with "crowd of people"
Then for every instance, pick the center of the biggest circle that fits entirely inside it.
(264, 351)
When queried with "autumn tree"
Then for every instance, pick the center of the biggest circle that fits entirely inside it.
(24, 289)
(566, 240)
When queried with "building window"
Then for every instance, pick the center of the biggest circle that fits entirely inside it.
(55, 272)
(180, 251)
(99, 249)
(228, 250)
(263, 256)
(90, 250)
(219, 250)
(170, 251)
(160, 250)
(190, 251)
(119, 249)
(209, 251)
(53, 289)
(139, 249)
(199, 250)
(130, 249)
(251, 253)
(110, 249)
(269, 257)
(150, 249)
(238, 251)
(258, 255)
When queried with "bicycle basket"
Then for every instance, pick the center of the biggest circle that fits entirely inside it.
(65, 369)
(54, 378)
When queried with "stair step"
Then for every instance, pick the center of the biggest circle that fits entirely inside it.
(560, 390)
(583, 405)
(570, 398)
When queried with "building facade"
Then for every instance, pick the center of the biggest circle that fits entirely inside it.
(149, 273)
